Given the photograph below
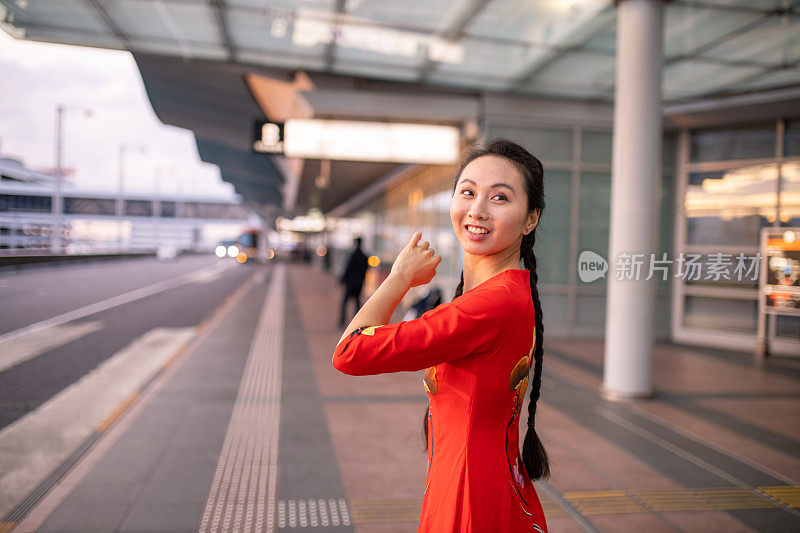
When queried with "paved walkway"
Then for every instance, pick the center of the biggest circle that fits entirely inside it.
(250, 428)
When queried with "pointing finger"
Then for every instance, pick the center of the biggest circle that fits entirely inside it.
(414, 239)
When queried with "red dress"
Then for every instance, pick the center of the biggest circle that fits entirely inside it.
(477, 351)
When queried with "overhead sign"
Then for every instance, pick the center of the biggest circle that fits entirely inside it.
(348, 140)
(359, 141)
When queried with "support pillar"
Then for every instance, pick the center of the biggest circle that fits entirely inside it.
(636, 174)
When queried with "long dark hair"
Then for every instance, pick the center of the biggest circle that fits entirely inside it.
(534, 455)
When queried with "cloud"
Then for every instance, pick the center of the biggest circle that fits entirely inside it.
(37, 77)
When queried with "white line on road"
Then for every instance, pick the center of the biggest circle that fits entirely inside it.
(29, 346)
(116, 301)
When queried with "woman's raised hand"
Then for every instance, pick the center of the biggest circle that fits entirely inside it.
(416, 262)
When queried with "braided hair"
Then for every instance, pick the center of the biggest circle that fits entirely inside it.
(534, 455)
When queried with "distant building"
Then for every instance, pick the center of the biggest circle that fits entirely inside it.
(95, 221)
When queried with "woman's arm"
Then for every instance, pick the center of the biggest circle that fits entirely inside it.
(415, 265)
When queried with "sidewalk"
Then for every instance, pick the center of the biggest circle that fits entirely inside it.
(253, 426)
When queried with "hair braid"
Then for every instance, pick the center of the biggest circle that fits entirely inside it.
(533, 453)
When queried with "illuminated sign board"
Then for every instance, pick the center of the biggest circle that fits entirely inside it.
(778, 286)
(360, 141)
(782, 287)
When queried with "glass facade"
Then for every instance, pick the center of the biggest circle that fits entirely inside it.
(719, 187)
(735, 181)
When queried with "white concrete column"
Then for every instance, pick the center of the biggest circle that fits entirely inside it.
(636, 174)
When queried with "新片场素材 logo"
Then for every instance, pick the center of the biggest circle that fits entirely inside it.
(591, 266)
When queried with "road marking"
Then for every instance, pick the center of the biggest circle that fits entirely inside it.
(116, 301)
(242, 497)
(210, 277)
(34, 445)
(94, 448)
(28, 346)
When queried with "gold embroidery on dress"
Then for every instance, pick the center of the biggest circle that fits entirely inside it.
(519, 374)
(429, 380)
(369, 331)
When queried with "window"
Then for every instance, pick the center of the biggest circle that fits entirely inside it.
(733, 143)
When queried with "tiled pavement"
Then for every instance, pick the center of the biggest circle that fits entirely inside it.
(717, 449)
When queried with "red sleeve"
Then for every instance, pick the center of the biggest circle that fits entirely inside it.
(469, 324)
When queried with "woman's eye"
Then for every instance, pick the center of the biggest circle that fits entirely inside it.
(501, 196)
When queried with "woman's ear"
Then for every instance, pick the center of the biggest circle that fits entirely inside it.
(533, 220)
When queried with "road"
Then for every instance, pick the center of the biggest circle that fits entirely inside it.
(59, 323)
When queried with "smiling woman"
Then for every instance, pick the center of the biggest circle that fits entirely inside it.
(477, 351)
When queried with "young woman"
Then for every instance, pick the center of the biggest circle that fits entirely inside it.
(477, 350)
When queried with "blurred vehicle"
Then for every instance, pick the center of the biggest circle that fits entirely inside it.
(244, 247)
(248, 242)
(166, 252)
(223, 248)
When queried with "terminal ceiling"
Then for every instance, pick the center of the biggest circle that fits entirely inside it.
(194, 54)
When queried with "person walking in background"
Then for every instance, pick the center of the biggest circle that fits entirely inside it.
(353, 280)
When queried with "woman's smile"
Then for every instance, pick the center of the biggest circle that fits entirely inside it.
(476, 233)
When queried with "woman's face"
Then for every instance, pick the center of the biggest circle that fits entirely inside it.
(490, 194)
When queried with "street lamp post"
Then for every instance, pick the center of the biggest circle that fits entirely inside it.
(120, 206)
(55, 241)
(156, 203)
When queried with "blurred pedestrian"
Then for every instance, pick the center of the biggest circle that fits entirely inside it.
(353, 280)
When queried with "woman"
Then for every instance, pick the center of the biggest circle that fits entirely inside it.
(477, 350)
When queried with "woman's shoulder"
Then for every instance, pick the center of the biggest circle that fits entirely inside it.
(507, 288)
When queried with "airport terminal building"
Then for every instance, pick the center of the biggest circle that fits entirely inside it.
(724, 96)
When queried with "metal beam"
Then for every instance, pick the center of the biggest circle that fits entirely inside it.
(110, 24)
(536, 67)
(330, 50)
(454, 33)
(220, 8)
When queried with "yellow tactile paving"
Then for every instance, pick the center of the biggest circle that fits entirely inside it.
(551, 508)
(730, 498)
(392, 511)
(606, 502)
(603, 502)
(672, 500)
(786, 494)
(395, 511)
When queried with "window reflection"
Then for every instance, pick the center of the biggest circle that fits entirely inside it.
(731, 207)
(790, 194)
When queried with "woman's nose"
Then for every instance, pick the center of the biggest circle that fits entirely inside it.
(477, 211)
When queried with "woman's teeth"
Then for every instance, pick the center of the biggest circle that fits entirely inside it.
(473, 229)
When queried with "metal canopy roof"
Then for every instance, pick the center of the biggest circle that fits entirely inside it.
(542, 47)
(194, 56)
(211, 100)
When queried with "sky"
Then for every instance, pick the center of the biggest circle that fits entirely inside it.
(37, 77)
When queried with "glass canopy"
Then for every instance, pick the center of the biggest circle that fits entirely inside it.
(561, 48)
